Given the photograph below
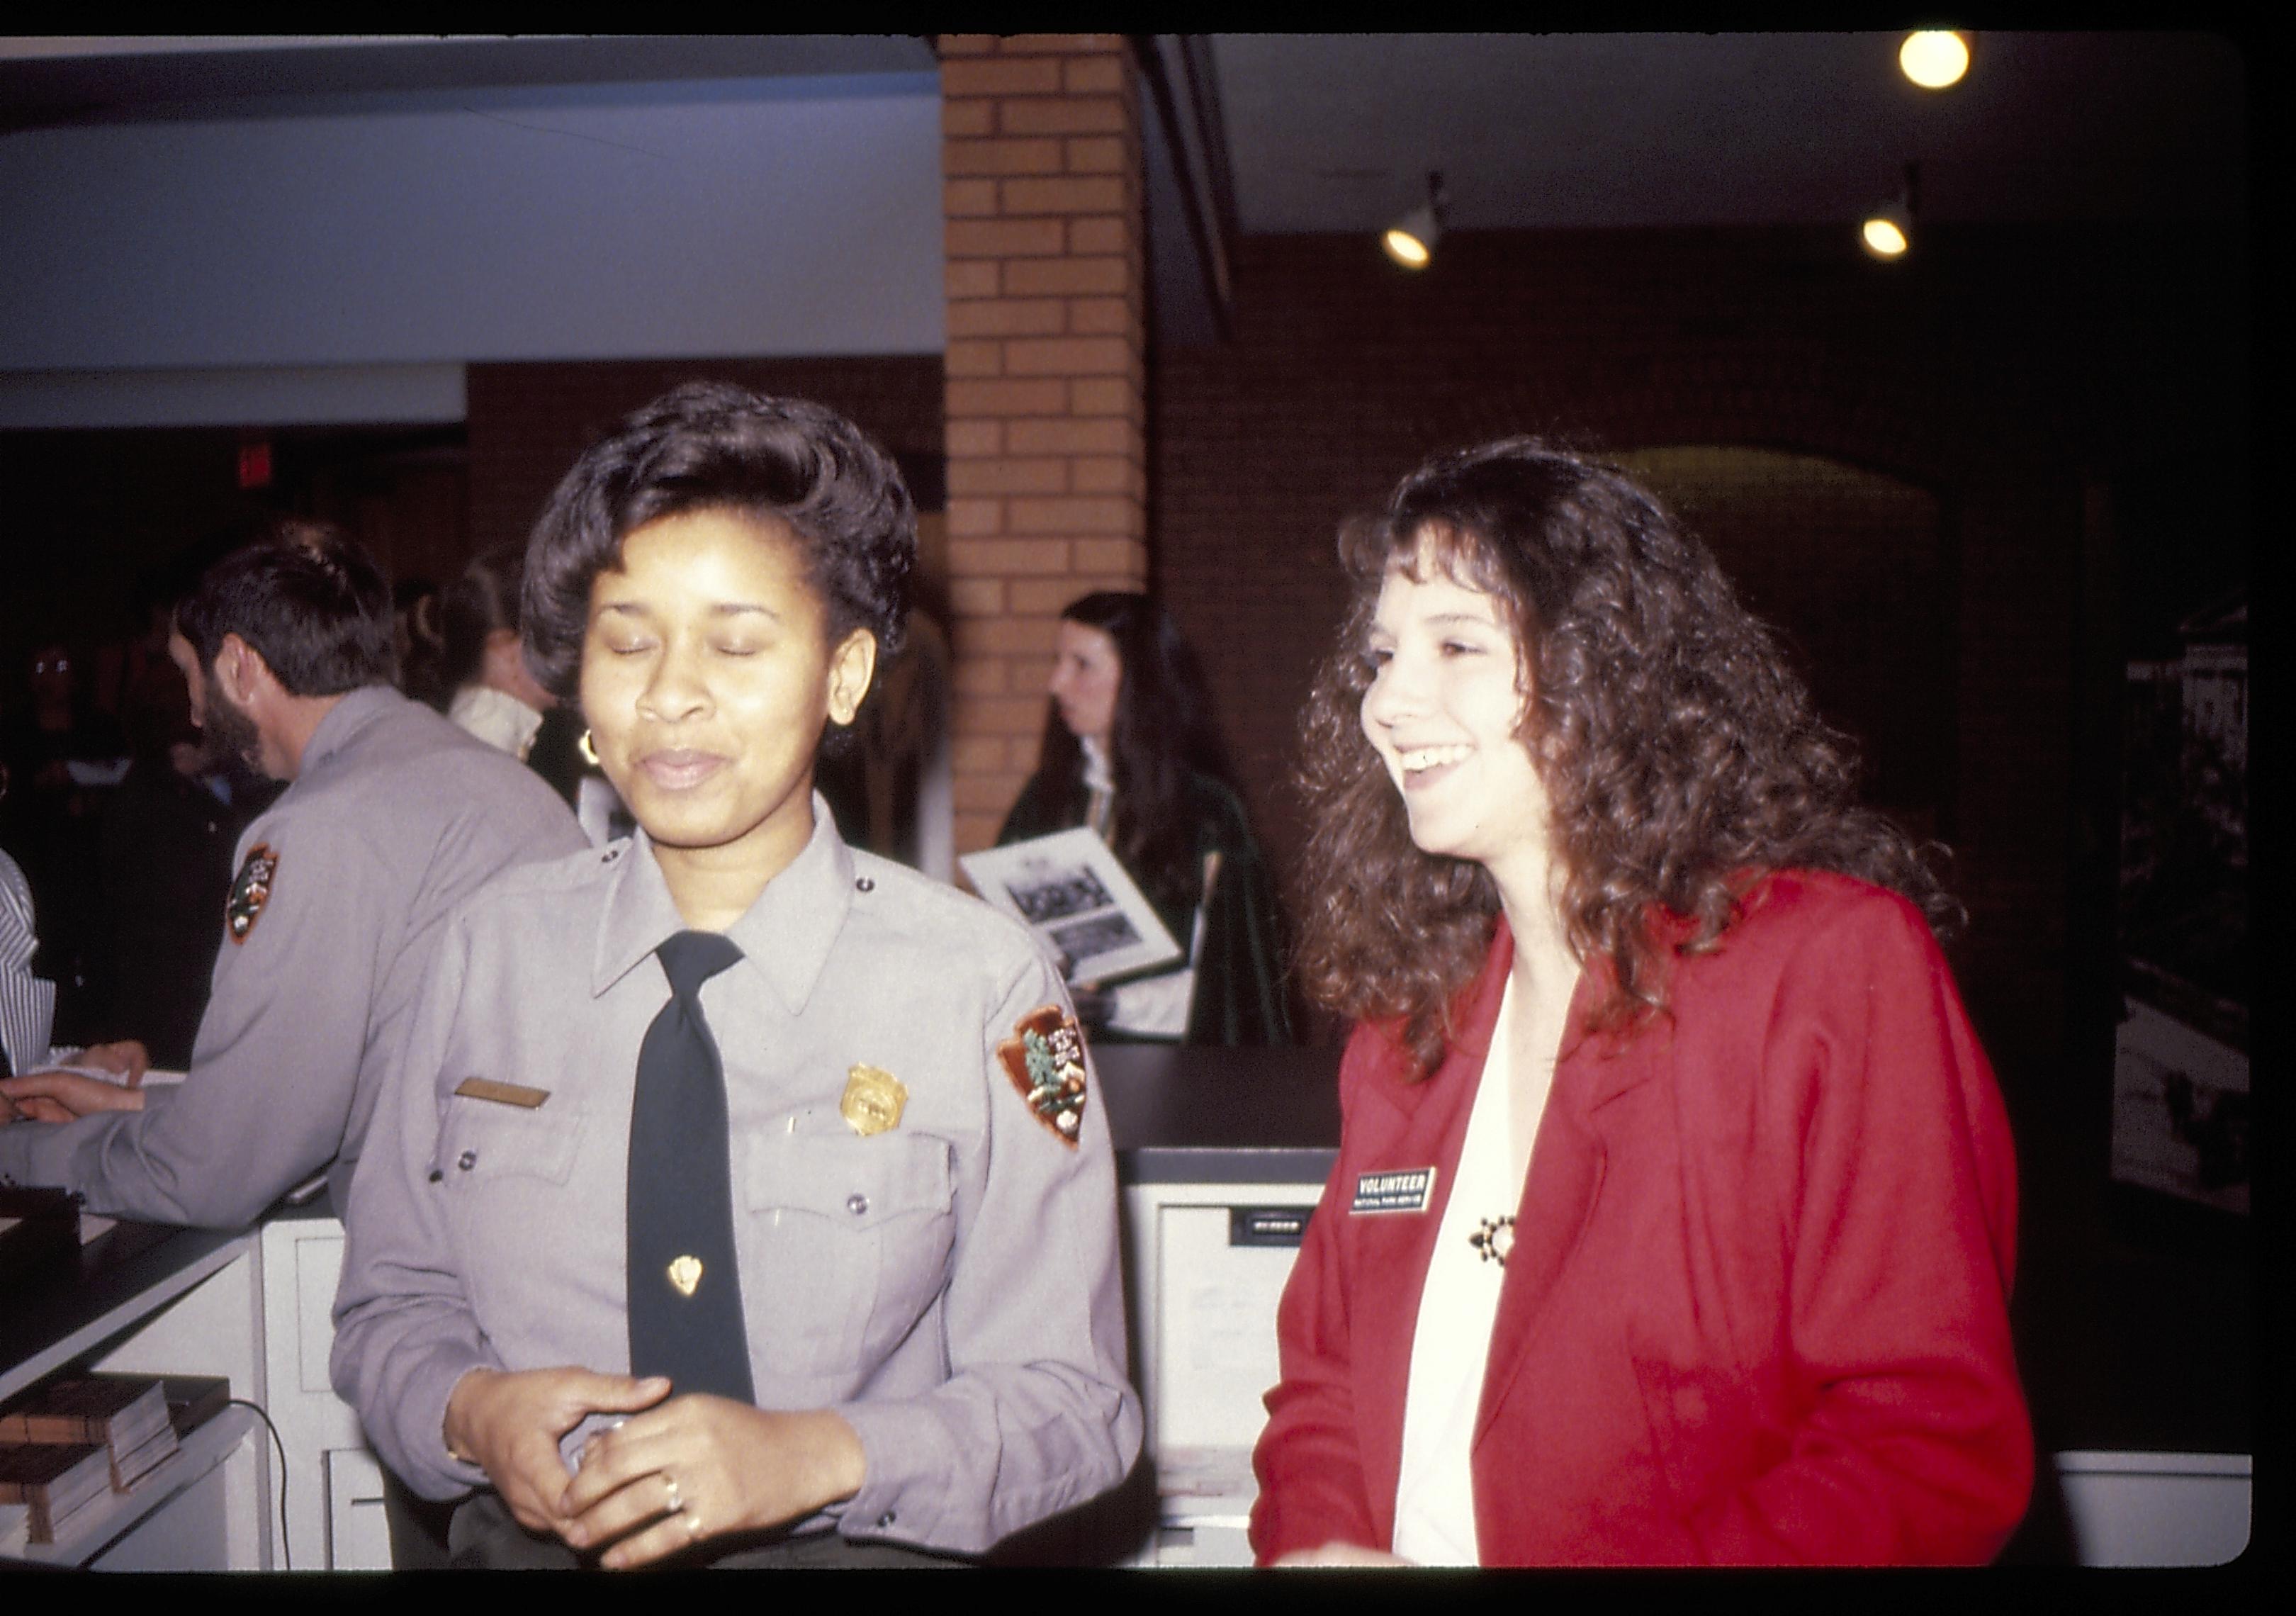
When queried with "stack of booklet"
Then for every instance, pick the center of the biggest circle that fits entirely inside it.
(113, 1428)
(57, 1481)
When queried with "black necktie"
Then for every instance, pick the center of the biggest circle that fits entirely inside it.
(684, 1282)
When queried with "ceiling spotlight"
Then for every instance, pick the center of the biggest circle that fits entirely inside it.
(1934, 58)
(1888, 230)
(1411, 240)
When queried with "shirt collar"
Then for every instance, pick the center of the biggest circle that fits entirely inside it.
(345, 719)
(785, 936)
(1098, 776)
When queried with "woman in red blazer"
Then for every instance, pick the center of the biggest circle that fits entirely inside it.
(1675, 1212)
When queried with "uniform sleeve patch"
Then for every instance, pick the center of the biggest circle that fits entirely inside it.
(251, 890)
(1044, 1059)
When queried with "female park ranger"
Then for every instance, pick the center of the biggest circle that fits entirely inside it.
(742, 1197)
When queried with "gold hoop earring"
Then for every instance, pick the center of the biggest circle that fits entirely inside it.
(589, 752)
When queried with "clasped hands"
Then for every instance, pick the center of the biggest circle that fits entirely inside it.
(680, 1470)
(59, 1097)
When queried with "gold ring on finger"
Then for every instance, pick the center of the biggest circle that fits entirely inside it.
(694, 1528)
(674, 1503)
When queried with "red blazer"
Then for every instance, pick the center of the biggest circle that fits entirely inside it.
(1756, 1310)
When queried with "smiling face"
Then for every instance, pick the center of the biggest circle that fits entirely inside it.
(1444, 712)
(707, 675)
(1087, 673)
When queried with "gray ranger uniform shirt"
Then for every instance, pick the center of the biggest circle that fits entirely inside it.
(395, 817)
(950, 1284)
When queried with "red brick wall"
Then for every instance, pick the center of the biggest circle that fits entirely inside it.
(529, 423)
(1046, 412)
(1994, 379)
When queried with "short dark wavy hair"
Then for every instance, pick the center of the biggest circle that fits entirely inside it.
(308, 597)
(713, 446)
(1680, 755)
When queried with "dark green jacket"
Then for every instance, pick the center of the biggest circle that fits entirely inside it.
(1239, 995)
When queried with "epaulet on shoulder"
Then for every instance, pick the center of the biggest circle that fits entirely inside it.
(917, 895)
(567, 873)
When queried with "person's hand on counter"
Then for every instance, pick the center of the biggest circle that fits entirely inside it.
(125, 1058)
(102, 1077)
(60, 1096)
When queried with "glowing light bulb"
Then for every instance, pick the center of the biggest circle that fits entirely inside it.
(1884, 238)
(1406, 248)
(1934, 58)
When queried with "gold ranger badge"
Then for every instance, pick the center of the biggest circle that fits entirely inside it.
(685, 1274)
(873, 1101)
(251, 890)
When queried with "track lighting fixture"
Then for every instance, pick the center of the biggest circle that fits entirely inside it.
(1888, 230)
(1411, 240)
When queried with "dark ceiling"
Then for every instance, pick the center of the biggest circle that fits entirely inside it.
(1337, 131)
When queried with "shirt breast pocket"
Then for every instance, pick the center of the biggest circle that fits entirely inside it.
(506, 1171)
(847, 1245)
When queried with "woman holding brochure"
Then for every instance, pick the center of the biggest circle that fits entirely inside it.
(1130, 752)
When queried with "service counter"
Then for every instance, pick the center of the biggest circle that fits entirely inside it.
(159, 1301)
(1220, 1156)
(1198, 1135)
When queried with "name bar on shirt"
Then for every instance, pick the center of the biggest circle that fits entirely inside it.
(1411, 1190)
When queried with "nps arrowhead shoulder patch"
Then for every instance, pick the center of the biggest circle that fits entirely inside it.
(251, 890)
(1044, 1059)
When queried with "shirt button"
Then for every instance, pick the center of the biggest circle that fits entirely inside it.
(469, 1160)
(856, 1204)
(886, 1519)
(864, 885)
(437, 1176)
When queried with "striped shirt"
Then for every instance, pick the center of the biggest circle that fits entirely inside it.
(28, 1006)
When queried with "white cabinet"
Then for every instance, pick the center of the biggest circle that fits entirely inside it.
(333, 1482)
(1208, 1263)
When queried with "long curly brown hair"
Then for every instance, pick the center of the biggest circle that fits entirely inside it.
(1681, 757)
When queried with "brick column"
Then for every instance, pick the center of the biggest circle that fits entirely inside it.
(1046, 419)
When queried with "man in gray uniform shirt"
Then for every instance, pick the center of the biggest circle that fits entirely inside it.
(392, 816)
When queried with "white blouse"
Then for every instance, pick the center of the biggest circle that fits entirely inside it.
(1435, 1492)
(496, 718)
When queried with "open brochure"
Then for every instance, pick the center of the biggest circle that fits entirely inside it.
(1070, 890)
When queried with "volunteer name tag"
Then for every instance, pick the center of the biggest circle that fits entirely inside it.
(1410, 1190)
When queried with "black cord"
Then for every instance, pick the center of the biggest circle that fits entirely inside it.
(285, 1553)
